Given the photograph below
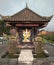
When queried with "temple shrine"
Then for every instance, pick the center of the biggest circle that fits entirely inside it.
(27, 23)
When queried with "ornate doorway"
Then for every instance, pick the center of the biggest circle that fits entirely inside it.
(25, 35)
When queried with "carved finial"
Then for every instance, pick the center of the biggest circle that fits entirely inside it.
(26, 5)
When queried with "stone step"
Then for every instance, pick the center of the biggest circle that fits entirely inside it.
(26, 57)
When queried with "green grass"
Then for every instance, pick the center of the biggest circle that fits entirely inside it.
(49, 38)
(51, 41)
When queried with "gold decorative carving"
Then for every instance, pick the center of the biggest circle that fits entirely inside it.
(26, 35)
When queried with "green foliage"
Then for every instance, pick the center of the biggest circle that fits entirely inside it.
(1, 40)
(7, 55)
(49, 37)
(1, 27)
(51, 41)
(12, 56)
(6, 30)
(41, 55)
(43, 41)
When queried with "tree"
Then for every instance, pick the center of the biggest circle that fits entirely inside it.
(1, 27)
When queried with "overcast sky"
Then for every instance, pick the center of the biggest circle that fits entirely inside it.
(42, 7)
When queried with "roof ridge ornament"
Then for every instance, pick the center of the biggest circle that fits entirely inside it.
(26, 5)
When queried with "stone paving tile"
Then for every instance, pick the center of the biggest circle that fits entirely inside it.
(51, 59)
(48, 61)
(50, 49)
(3, 49)
(41, 61)
(3, 61)
(37, 61)
(8, 62)
(13, 62)
(51, 63)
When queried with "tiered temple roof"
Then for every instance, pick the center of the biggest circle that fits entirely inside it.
(26, 15)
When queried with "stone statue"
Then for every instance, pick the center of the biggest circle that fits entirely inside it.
(13, 41)
(38, 44)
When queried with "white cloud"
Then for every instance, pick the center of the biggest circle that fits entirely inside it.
(50, 26)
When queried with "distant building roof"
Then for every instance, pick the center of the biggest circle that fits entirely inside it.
(50, 32)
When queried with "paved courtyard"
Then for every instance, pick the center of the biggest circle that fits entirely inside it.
(50, 49)
(37, 61)
(3, 49)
